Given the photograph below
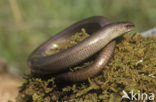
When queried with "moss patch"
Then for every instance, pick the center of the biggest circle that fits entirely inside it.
(73, 40)
(133, 67)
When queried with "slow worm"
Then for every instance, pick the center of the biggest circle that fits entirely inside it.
(102, 32)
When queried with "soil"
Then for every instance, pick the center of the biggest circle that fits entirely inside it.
(9, 84)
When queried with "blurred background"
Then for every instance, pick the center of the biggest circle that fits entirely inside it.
(25, 24)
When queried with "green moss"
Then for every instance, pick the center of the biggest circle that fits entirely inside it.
(73, 40)
(133, 67)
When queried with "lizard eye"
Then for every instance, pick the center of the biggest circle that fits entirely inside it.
(129, 25)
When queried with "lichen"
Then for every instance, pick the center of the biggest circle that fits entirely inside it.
(133, 67)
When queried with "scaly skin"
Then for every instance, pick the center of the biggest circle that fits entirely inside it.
(101, 34)
(39, 62)
(90, 71)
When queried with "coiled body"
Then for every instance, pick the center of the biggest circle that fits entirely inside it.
(101, 34)
(101, 60)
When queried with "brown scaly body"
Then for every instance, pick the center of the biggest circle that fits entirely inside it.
(101, 34)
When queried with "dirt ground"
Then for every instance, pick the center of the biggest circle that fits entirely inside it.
(9, 84)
